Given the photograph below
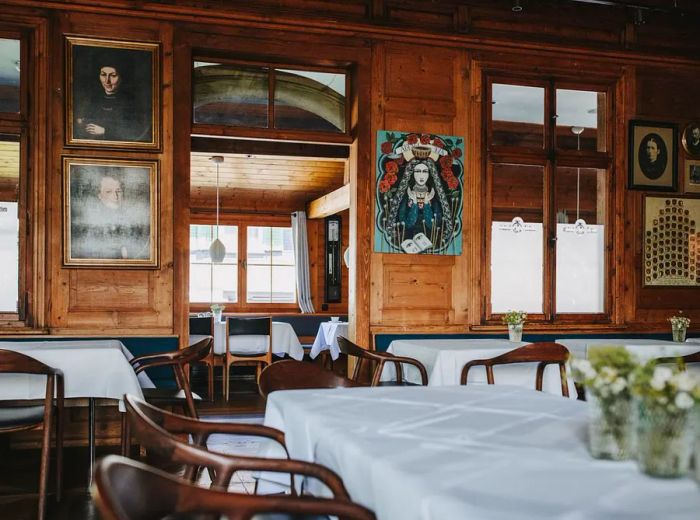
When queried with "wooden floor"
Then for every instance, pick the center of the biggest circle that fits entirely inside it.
(19, 468)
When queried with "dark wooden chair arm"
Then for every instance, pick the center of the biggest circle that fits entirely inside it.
(466, 367)
(202, 430)
(155, 363)
(150, 357)
(384, 357)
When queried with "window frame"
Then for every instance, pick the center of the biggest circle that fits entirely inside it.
(550, 157)
(20, 124)
(271, 132)
(243, 222)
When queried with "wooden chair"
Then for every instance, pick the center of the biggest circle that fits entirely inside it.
(124, 489)
(688, 358)
(178, 360)
(293, 375)
(157, 430)
(204, 326)
(379, 359)
(543, 353)
(20, 418)
(248, 342)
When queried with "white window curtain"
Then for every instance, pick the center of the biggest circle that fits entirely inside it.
(301, 255)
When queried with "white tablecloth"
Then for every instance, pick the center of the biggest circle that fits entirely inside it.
(327, 338)
(644, 349)
(475, 452)
(445, 358)
(91, 368)
(284, 340)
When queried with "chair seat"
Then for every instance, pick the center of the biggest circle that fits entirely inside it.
(166, 394)
(17, 417)
(248, 345)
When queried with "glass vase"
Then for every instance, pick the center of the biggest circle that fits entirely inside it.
(678, 334)
(515, 331)
(611, 432)
(217, 316)
(665, 441)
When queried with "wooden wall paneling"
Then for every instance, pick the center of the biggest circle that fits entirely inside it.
(474, 164)
(182, 112)
(378, 123)
(461, 287)
(419, 288)
(67, 288)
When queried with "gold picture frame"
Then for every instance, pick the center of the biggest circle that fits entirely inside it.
(691, 139)
(671, 242)
(692, 176)
(112, 94)
(110, 212)
(653, 156)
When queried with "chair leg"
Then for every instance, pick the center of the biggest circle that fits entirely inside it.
(60, 420)
(210, 380)
(126, 436)
(44, 465)
(227, 366)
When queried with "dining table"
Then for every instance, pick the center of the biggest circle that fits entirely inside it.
(92, 369)
(488, 452)
(327, 338)
(284, 340)
(643, 349)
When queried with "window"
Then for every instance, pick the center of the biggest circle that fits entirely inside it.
(266, 97)
(211, 282)
(13, 208)
(265, 274)
(548, 182)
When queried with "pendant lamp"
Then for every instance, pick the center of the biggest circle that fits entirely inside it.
(217, 250)
(580, 224)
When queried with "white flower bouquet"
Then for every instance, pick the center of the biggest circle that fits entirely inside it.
(667, 396)
(679, 322)
(514, 317)
(217, 307)
(607, 375)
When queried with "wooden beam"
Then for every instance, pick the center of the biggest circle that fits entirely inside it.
(253, 147)
(330, 204)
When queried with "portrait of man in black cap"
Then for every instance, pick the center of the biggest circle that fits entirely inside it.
(111, 95)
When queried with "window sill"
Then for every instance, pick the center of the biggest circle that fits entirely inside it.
(552, 327)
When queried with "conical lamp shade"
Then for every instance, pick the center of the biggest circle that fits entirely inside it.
(217, 251)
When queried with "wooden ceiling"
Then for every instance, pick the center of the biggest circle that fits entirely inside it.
(262, 183)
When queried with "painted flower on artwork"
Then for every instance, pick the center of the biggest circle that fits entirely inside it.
(412, 139)
(387, 147)
(391, 168)
(456, 153)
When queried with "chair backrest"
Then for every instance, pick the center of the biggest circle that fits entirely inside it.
(18, 363)
(688, 358)
(127, 490)
(195, 352)
(201, 326)
(237, 326)
(543, 353)
(156, 431)
(294, 375)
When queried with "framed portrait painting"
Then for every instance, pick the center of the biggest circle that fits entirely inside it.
(112, 93)
(692, 176)
(691, 139)
(653, 157)
(110, 212)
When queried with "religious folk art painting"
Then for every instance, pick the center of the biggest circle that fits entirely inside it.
(110, 213)
(420, 179)
(113, 92)
(671, 242)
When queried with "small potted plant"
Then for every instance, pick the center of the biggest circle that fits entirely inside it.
(679, 326)
(665, 423)
(217, 309)
(515, 321)
(607, 376)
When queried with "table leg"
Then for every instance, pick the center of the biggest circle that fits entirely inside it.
(91, 437)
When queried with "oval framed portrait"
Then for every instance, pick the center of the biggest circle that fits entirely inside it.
(691, 138)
